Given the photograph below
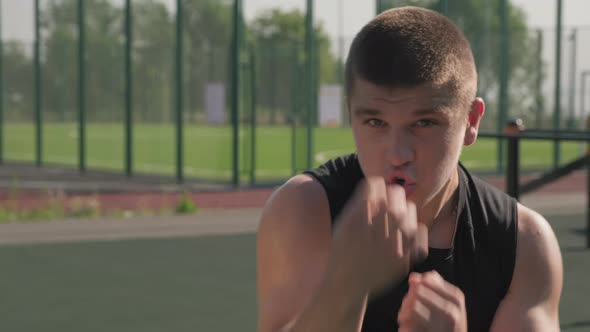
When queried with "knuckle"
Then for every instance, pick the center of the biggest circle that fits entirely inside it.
(454, 314)
(459, 295)
(416, 312)
(397, 212)
(434, 278)
(411, 228)
(434, 275)
(451, 313)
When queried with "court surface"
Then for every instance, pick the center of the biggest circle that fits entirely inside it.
(179, 274)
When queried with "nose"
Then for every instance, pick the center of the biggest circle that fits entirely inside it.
(400, 150)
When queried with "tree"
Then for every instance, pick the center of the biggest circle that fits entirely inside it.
(105, 45)
(278, 37)
(153, 61)
(59, 71)
(104, 60)
(481, 24)
(208, 33)
(18, 73)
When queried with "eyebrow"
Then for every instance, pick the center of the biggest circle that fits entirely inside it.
(363, 111)
(429, 111)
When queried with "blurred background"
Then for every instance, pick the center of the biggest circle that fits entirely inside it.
(251, 92)
(127, 113)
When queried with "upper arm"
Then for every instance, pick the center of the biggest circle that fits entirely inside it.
(532, 301)
(292, 246)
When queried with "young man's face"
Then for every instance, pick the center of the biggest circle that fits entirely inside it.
(409, 136)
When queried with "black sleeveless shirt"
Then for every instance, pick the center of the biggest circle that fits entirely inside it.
(480, 262)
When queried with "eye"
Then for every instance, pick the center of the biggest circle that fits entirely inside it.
(425, 123)
(375, 123)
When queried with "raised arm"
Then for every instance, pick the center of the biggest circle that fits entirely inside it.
(309, 280)
(294, 292)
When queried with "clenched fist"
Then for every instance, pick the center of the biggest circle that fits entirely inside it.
(432, 304)
(377, 237)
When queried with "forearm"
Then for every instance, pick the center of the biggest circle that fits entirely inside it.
(338, 305)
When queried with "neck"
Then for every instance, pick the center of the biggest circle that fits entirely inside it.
(444, 203)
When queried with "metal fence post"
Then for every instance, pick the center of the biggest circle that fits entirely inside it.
(444, 7)
(588, 188)
(235, 90)
(310, 82)
(295, 108)
(253, 104)
(81, 87)
(38, 93)
(572, 86)
(557, 96)
(583, 75)
(1, 90)
(179, 92)
(504, 77)
(128, 88)
(539, 80)
(273, 94)
(513, 129)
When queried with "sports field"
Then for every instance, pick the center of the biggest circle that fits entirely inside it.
(207, 150)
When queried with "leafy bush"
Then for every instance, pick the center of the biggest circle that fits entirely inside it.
(186, 205)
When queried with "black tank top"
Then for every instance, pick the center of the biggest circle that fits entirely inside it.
(480, 262)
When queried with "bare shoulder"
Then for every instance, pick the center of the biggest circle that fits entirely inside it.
(532, 301)
(292, 246)
(531, 223)
(536, 239)
(297, 209)
(538, 257)
(300, 194)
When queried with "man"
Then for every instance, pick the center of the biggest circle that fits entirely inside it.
(400, 235)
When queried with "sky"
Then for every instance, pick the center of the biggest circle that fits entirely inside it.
(17, 18)
(346, 17)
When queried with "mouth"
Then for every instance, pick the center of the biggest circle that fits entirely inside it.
(401, 179)
(408, 185)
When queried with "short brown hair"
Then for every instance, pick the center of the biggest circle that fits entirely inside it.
(409, 46)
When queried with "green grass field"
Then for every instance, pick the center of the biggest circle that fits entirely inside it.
(207, 150)
(184, 284)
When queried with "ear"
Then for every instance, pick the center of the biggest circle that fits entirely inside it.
(475, 114)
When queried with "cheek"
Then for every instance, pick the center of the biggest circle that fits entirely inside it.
(438, 147)
(370, 151)
(438, 157)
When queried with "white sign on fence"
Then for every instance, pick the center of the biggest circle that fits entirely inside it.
(215, 103)
(330, 111)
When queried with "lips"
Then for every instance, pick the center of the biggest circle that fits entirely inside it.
(403, 180)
